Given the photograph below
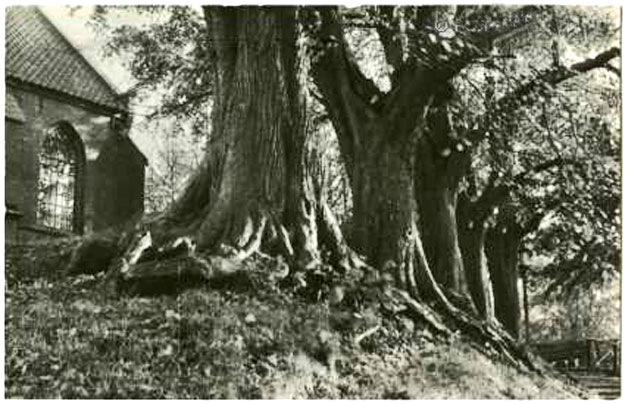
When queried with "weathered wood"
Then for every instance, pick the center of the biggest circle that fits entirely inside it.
(175, 274)
(590, 352)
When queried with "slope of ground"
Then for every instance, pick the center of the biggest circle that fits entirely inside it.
(66, 339)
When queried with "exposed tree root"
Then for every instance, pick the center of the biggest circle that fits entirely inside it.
(491, 339)
(146, 268)
(233, 239)
(341, 255)
(175, 274)
(490, 335)
(414, 308)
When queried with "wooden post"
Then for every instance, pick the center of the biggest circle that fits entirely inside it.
(590, 354)
(615, 359)
(526, 310)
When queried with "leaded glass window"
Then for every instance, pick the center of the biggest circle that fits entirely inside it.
(58, 164)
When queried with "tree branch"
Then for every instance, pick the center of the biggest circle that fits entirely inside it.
(391, 42)
(347, 94)
(337, 55)
(613, 69)
(494, 194)
(557, 162)
(555, 76)
(433, 60)
(599, 61)
(552, 77)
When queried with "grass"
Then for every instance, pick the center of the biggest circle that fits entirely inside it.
(65, 339)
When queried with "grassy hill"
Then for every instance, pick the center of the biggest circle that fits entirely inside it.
(66, 339)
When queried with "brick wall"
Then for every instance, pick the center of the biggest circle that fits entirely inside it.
(22, 141)
(14, 133)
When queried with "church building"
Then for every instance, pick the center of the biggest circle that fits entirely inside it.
(71, 167)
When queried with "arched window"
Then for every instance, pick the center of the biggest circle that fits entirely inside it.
(60, 161)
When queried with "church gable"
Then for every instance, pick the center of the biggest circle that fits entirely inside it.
(38, 54)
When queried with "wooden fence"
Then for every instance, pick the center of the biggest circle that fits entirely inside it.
(589, 355)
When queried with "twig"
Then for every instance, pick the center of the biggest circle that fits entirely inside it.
(365, 334)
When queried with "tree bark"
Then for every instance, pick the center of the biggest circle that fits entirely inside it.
(403, 159)
(384, 206)
(442, 162)
(502, 250)
(526, 306)
(251, 104)
(472, 228)
(254, 191)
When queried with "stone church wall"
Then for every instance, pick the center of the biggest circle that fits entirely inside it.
(114, 180)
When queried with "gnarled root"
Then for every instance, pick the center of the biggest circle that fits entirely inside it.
(176, 274)
(450, 318)
(155, 267)
(331, 237)
(147, 270)
(406, 304)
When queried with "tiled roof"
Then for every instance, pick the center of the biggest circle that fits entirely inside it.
(37, 53)
(12, 108)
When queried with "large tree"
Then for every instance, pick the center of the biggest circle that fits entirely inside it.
(253, 182)
(406, 156)
(405, 151)
(540, 139)
(254, 190)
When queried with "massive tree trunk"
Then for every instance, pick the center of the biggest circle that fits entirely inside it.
(252, 106)
(383, 198)
(502, 249)
(239, 190)
(402, 158)
(385, 212)
(254, 192)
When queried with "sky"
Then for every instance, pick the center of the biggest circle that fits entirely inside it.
(75, 27)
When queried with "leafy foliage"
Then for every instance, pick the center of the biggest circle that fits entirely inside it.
(169, 57)
(178, 154)
(571, 124)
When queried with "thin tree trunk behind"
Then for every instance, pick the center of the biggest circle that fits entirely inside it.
(502, 250)
(440, 167)
(472, 228)
(526, 306)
